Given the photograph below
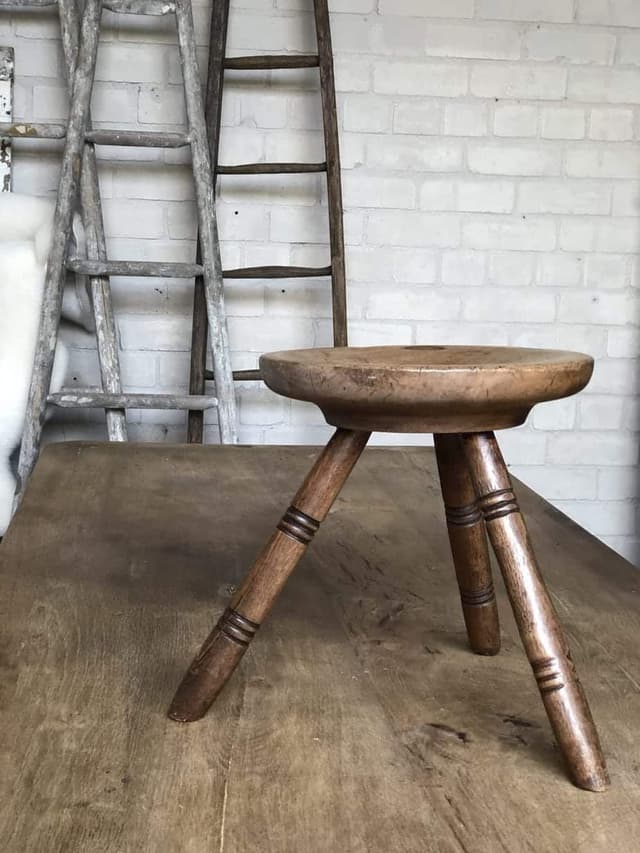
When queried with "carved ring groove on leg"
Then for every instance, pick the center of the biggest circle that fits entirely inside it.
(463, 516)
(498, 504)
(478, 597)
(237, 627)
(548, 674)
(298, 525)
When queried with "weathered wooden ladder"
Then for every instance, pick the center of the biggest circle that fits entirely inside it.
(79, 179)
(218, 63)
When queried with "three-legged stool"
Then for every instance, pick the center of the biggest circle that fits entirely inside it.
(461, 395)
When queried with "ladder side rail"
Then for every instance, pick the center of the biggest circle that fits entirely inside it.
(213, 117)
(91, 208)
(334, 186)
(68, 189)
(106, 331)
(208, 229)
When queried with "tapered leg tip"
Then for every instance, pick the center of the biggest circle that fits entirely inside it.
(483, 639)
(189, 703)
(178, 715)
(486, 651)
(598, 782)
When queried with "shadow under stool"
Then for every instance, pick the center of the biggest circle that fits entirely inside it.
(461, 395)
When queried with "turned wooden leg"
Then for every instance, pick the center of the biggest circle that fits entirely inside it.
(542, 636)
(237, 626)
(469, 547)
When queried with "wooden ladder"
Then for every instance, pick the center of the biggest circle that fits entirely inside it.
(79, 180)
(218, 63)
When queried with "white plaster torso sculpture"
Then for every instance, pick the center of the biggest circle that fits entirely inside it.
(25, 236)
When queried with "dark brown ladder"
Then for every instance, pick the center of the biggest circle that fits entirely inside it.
(218, 63)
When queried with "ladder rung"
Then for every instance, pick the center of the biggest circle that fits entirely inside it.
(271, 168)
(258, 63)
(140, 7)
(130, 138)
(27, 4)
(132, 7)
(238, 375)
(89, 399)
(277, 272)
(30, 130)
(161, 269)
(138, 138)
(245, 375)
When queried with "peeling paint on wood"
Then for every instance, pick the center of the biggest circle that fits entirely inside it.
(6, 111)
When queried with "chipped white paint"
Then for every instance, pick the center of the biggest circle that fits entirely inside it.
(6, 111)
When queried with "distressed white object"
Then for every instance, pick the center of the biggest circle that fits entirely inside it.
(25, 236)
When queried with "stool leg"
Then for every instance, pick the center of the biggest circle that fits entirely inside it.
(237, 626)
(469, 549)
(542, 636)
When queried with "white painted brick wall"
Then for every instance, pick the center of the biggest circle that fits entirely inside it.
(491, 156)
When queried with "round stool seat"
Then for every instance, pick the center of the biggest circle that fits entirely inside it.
(426, 388)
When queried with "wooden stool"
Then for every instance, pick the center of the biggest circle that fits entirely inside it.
(461, 394)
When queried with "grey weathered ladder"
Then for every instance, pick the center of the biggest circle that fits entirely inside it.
(218, 63)
(78, 177)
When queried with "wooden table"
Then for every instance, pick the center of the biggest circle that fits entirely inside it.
(360, 722)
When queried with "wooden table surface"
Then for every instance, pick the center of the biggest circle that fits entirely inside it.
(358, 721)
